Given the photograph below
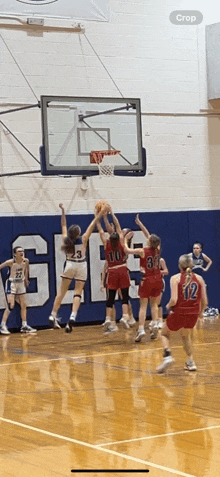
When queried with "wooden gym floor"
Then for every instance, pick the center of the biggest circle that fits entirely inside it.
(87, 401)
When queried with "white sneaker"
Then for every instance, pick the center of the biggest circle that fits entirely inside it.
(155, 324)
(111, 329)
(160, 325)
(54, 321)
(139, 335)
(153, 333)
(27, 329)
(124, 323)
(106, 325)
(152, 324)
(190, 365)
(165, 364)
(205, 314)
(56, 324)
(4, 329)
(132, 321)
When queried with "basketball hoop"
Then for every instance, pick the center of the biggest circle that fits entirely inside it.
(96, 157)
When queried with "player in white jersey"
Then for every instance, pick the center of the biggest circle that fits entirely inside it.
(74, 246)
(15, 289)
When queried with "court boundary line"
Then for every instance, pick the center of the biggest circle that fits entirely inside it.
(97, 448)
(72, 358)
(168, 434)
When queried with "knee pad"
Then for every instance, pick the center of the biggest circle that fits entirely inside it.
(111, 298)
(110, 303)
(125, 296)
(125, 301)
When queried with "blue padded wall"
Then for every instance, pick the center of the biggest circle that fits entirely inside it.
(39, 235)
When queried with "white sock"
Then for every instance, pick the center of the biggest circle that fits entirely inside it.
(73, 315)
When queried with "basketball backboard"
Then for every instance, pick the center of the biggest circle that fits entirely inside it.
(72, 127)
(80, 10)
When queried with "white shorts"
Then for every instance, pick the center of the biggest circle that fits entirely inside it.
(75, 270)
(15, 288)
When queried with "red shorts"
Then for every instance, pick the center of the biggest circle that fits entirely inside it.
(150, 287)
(176, 321)
(118, 278)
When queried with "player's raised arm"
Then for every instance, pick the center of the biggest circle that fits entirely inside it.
(63, 221)
(92, 225)
(132, 251)
(116, 223)
(101, 233)
(142, 227)
(109, 227)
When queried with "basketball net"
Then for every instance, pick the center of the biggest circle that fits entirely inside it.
(97, 157)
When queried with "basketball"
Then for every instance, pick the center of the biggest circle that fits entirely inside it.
(100, 205)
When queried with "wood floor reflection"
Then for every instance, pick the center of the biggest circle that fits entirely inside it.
(88, 401)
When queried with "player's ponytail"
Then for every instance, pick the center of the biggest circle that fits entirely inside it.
(185, 265)
(114, 239)
(68, 245)
(154, 241)
(188, 276)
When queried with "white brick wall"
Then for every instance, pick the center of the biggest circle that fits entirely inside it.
(147, 57)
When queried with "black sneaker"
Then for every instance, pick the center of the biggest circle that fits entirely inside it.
(69, 326)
